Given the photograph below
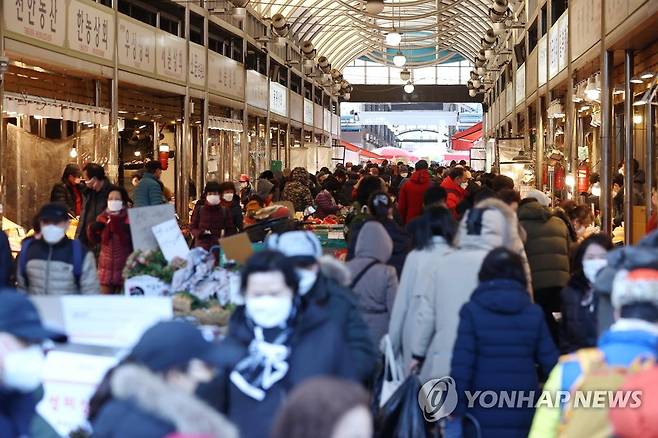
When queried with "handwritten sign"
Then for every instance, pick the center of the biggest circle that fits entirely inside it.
(70, 379)
(197, 66)
(38, 19)
(91, 29)
(554, 50)
(257, 90)
(136, 45)
(542, 60)
(171, 52)
(278, 99)
(171, 240)
(308, 112)
(563, 30)
(143, 219)
(520, 84)
(112, 321)
(225, 75)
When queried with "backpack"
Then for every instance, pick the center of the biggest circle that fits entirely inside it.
(78, 255)
(597, 375)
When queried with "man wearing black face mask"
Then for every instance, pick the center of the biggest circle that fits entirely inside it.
(324, 282)
(95, 199)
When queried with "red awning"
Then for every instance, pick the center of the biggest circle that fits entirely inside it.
(463, 140)
(362, 152)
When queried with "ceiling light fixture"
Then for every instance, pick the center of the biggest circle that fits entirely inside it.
(393, 38)
(647, 75)
(405, 74)
(399, 60)
(409, 88)
(590, 91)
(374, 7)
(636, 80)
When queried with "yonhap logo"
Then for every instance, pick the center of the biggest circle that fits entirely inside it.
(437, 398)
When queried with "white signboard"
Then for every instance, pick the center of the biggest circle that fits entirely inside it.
(225, 75)
(143, 219)
(327, 120)
(542, 60)
(335, 125)
(197, 65)
(308, 112)
(112, 320)
(563, 29)
(171, 240)
(91, 29)
(278, 99)
(136, 45)
(554, 51)
(69, 381)
(170, 53)
(520, 84)
(257, 94)
(43, 20)
(509, 99)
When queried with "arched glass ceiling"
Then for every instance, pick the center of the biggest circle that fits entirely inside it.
(434, 31)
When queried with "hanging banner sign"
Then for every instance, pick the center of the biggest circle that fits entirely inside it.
(91, 29)
(554, 50)
(37, 19)
(563, 29)
(136, 43)
(520, 84)
(225, 75)
(197, 65)
(257, 94)
(308, 112)
(278, 99)
(171, 52)
(327, 120)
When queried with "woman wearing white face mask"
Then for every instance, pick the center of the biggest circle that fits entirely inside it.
(21, 362)
(272, 346)
(578, 327)
(112, 231)
(229, 199)
(53, 264)
(210, 219)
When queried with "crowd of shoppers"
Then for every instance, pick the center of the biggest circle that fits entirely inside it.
(464, 276)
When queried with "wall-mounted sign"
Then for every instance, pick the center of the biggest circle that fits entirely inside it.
(509, 99)
(257, 95)
(542, 60)
(563, 54)
(91, 29)
(327, 120)
(40, 20)
(225, 75)
(197, 65)
(171, 54)
(335, 125)
(278, 99)
(520, 84)
(136, 44)
(308, 112)
(554, 50)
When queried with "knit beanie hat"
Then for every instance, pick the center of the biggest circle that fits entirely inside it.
(540, 196)
(635, 286)
(301, 245)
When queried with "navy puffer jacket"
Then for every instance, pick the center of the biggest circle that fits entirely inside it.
(501, 338)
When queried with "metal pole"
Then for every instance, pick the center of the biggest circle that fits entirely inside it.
(628, 147)
(3, 131)
(539, 169)
(651, 161)
(607, 110)
(184, 152)
(205, 137)
(113, 153)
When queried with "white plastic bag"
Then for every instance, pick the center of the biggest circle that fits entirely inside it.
(393, 373)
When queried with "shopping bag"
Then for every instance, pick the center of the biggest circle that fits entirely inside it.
(401, 416)
(392, 373)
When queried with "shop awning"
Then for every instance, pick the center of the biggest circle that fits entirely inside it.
(362, 152)
(463, 140)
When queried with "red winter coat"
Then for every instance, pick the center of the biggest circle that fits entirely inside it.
(213, 218)
(112, 231)
(412, 193)
(455, 195)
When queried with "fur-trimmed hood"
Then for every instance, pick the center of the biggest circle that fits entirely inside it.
(498, 227)
(153, 395)
(335, 270)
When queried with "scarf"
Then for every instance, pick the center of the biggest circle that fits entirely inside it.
(265, 364)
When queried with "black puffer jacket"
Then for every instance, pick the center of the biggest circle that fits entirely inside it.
(317, 348)
(578, 326)
(93, 204)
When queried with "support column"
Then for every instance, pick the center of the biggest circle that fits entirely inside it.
(539, 167)
(244, 141)
(651, 160)
(268, 132)
(113, 153)
(184, 149)
(628, 147)
(3, 131)
(607, 110)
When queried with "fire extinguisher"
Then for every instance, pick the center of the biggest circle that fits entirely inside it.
(544, 179)
(559, 177)
(163, 156)
(583, 177)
